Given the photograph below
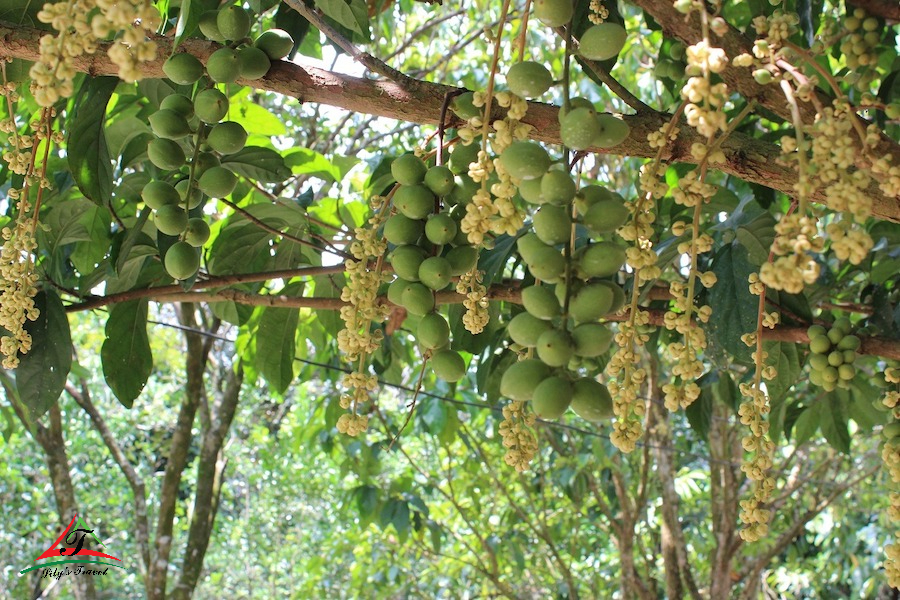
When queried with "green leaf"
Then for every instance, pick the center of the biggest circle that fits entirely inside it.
(122, 131)
(259, 164)
(341, 12)
(493, 261)
(699, 413)
(125, 354)
(304, 161)
(86, 148)
(189, 18)
(834, 421)
(807, 423)
(42, 372)
(735, 307)
(294, 23)
(276, 346)
(329, 286)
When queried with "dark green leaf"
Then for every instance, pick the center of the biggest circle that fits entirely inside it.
(259, 164)
(294, 23)
(834, 421)
(41, 375)
(493, 261)
(341, 12)
(88, 155)
(276, 346)
(126, 355)
(735, 307)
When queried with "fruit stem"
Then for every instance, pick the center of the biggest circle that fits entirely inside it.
(526, 12)
(489, 93)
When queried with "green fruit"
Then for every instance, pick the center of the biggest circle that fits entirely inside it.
(602, 42)
(605, 216)
(157, 194)
(196, 196)
(600, 260)
(204, 162)
(462, 156)
(179, 103)
(849, 356)
(418, 299)
(541, 302)
(440, 229)
(891, 430)
(819, 345)
(613, 132)
(528, 79)
(233, 22)
(835, 358)
(552, 224)
(217, 182)
(553, 13)
(223, 66)
(549, 265)
(815, 331)
(253, 63)
(591, 339)
(573, 104)
(580, 128)
(557, 187)
(551, 398)
(849, 342)
(209, 26)
(829, 374)
(183, 68)
(409, 169)
(525, 160)
(400, 230)
(414, 201)
(276, 43)
(555, 347)
(815, 378)
(435, 272)
(524, 329)
(440, 180)
(590, 195)
(531, 247)
(464, 107)
(462, 259)
(433, 331)
(818, 362)
(618, 295)
(462, 192)
(520, 379)
(395, 290)
(406, 260)
(846, 372)
(448, 365)
(182, 260)
(530, 190)
(590, 303)
(197, 232)
(591, 400)
(169, 124)
(171, 219)
(211, 105)
(835, 335)
(166, 154)
(227, 137)
(562, 289)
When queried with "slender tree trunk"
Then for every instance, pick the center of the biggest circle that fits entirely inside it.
(724, 448)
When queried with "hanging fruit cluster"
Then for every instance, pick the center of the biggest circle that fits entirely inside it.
(832, 354)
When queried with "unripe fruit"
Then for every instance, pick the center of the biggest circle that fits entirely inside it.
(815, 378)
(829, 374)
(157, 194)
(435, 272)
(589, 195)
(204, 162)
(892, 111)
(462, 156)
(846, 372)
(197, 232)
(169, 124)
(618, 295)
(521, 378)
(557, 187)
(406, 260)
(835, 335)
(835, 358)
(227, 137)
(849, 356)
(552, 224)
(408, 169)
(815, 331)
(462, 192)
(440, 229)
(209, 26)
(549, 265)
(183, 68)
(555, 347)
(602, 42)
(233, 22)
(819, 345)
(541, 302)
(211, 105)
(433, 331)
(580, 128)
(253, 63)
(818, 361)
(395, 290)
(613, 131)
(530, 190)
(528, 79)
(171, 219)
(440, 180)
(464, 107)
(590, 303)
(551, 398)
(179, 103)
(525, 160)
(762, 76)
(217, 182)
(448, 365)
(223, 66)
(577, 102)
(605, 216)
(414, 201)
(193, 199)
(418, 299)
(462, 259)
(553, 13)
(166, 154)
(849, 342)
(591, 400)
(530, 247)
(525, 329)
(400, 230)
(276, 43)
(182, 261)
(591, 339)
(891, 431)
(600, 260)
(562, 289)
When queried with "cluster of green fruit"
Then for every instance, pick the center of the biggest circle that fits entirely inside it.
(832, 354)
(865, 35)
(239, 59)
(672, 64)
(598, 42)
(429, 250)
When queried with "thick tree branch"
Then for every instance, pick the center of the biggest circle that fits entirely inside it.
(750, 159)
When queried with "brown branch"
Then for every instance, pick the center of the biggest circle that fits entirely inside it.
(747, 158)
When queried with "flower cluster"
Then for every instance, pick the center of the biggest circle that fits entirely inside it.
(518, 438)
(753, 412)
(796, 236)
(626, 381)
(476, 303)
(599, 13)
(706, 101)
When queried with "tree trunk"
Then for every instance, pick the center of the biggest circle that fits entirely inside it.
(724, 448)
